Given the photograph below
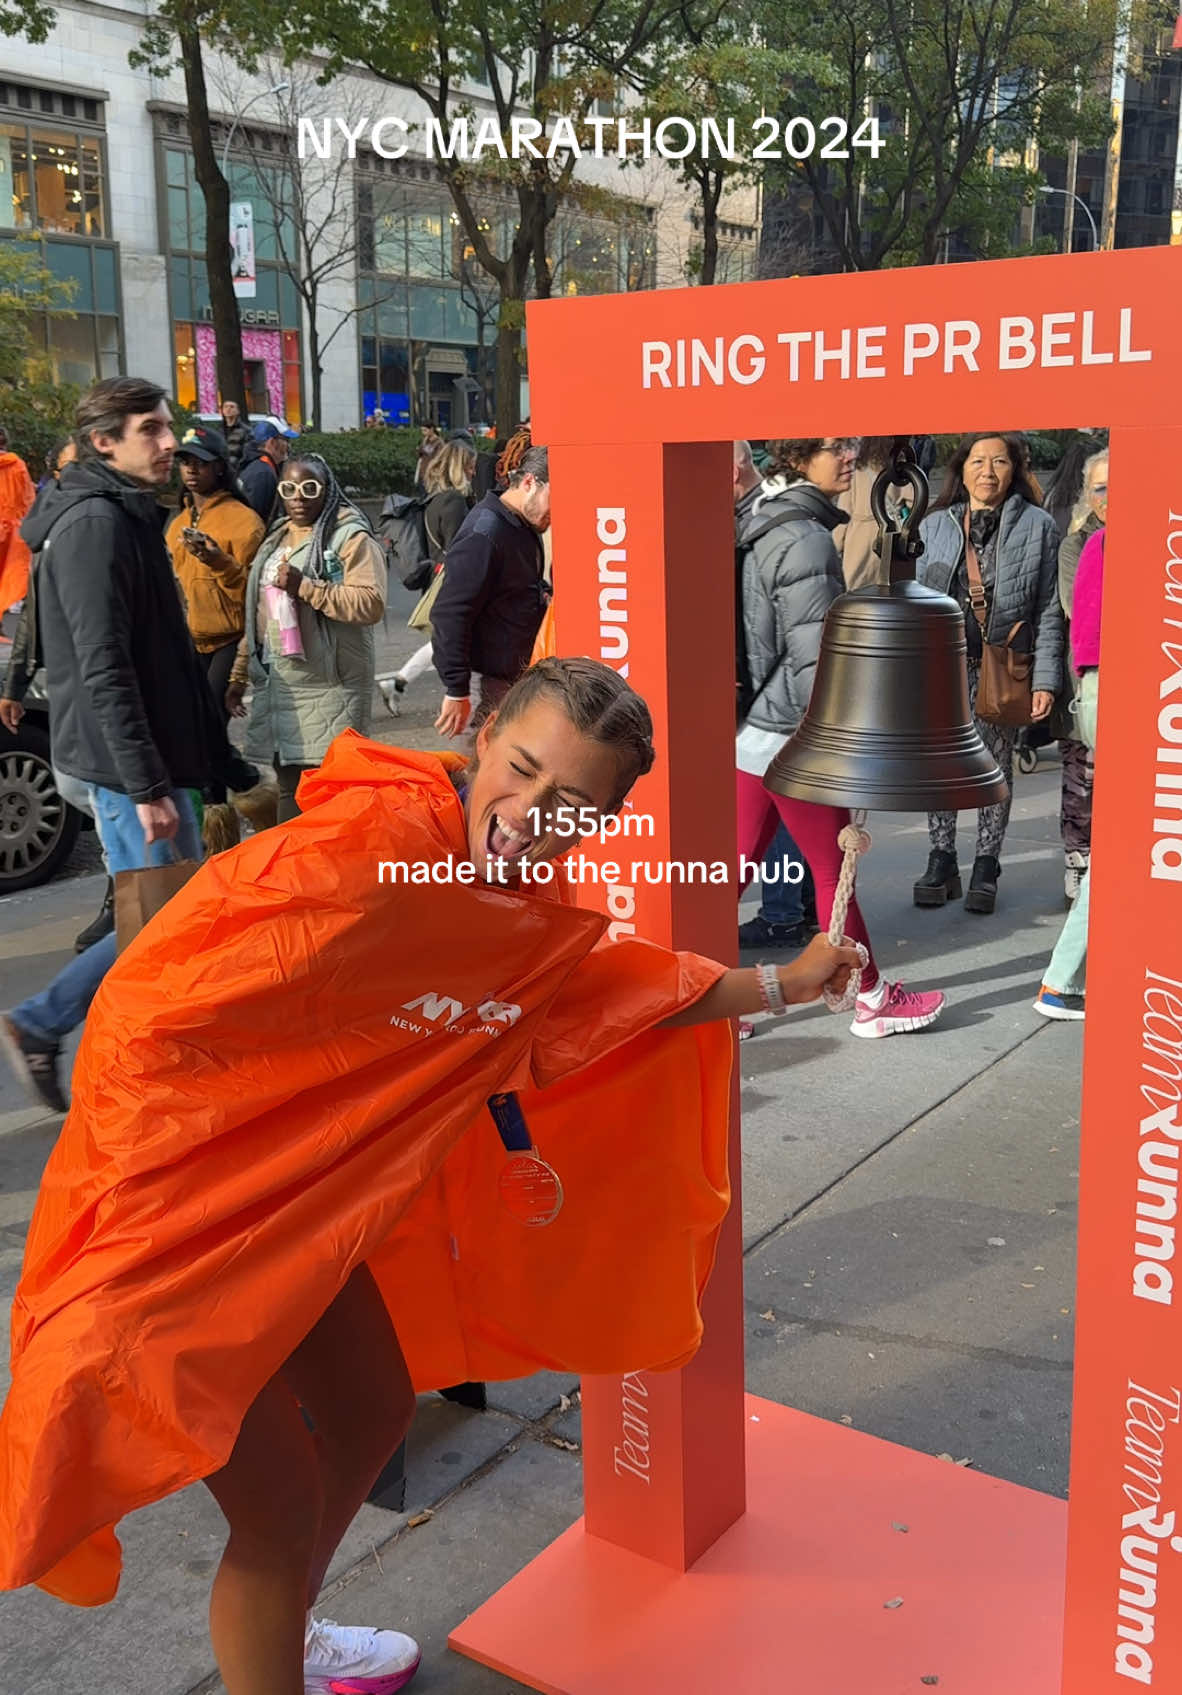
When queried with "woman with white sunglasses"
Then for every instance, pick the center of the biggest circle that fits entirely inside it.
(316, 589)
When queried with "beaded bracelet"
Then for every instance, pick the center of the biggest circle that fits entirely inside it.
(771, 994)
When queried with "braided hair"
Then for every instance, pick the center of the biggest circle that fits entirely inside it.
(600, 705)
(515, 450)
(326, 524)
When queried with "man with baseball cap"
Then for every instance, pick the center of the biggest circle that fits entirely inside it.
(212, 540)
(259, 472)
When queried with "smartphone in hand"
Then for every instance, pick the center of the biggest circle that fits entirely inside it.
(194, 538)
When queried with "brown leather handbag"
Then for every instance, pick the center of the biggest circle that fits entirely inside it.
(1004, 693)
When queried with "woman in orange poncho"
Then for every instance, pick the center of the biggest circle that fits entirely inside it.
(278, 1189)
(16, 497)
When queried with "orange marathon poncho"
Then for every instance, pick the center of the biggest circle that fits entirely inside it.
(285, 1075)
(16, 497)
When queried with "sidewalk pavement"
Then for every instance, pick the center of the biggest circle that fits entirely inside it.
(909, 1220)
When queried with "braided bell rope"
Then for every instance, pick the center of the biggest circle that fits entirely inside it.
(854, 841)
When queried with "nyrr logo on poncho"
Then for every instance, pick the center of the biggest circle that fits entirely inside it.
(445, 1008)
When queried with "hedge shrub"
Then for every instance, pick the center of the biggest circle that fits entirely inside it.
(368, 461)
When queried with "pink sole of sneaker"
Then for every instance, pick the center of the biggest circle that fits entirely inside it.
(895, 1026)
(366, 1685)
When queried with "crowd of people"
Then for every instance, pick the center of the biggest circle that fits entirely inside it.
(1008, 556)
(259, 599)
(282, 582)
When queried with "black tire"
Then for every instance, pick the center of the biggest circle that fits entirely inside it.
(37, 828)
(1027, 760)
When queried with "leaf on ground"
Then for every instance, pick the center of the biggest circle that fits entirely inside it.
(561, 1442)
(891, 1605)
(932, 1680)
(846, 1419)
(768, 1314)
(903, 1528)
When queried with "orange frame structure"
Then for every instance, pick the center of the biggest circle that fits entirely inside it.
(732, 1543)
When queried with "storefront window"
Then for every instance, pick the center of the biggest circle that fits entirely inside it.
(389, 243)
(16, 194)
(93, 216)
(51, 180)
(186, 366)
(72, 350)
(56, 180)
(106, 295)
(178, 218)
(291, 377)
(70, 263)
(424, 244)
(108, 346)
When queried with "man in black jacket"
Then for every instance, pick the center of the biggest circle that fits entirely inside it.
(130, 709)
(487, 613)
(236, 431)
(258, 473)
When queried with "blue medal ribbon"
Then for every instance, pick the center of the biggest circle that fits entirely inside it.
(510, 1122)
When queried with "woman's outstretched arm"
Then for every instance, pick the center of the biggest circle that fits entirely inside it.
(820, 966)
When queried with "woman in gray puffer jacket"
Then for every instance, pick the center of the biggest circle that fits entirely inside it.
(791, 576)
(988, 496)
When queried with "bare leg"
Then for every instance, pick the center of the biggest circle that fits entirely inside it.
(271, 1495)
(350, 1376)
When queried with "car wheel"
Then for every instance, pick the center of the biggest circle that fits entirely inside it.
(37, 827)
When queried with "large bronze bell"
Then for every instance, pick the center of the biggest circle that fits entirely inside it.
(888, 726)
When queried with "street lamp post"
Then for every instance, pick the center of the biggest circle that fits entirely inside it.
(279, 88)
(1045, 188)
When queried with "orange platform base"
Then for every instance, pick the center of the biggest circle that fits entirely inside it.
(792, 1600)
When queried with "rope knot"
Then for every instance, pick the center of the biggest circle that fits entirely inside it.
(854, 839)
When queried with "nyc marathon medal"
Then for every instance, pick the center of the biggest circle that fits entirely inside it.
(529, 1187)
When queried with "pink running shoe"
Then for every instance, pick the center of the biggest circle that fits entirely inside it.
(899, 1011)
(342, 1659)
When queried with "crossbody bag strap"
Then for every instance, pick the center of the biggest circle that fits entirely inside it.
(977, 596)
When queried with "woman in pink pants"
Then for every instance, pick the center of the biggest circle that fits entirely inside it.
(791, 574)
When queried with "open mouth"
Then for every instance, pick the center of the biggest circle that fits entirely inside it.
(504, 842)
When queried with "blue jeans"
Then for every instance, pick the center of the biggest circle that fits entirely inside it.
(122, 834)
(782, 902)
(51, 1015)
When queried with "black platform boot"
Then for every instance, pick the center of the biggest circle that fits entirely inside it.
(982, 895)
(940, 882)
(100, 926)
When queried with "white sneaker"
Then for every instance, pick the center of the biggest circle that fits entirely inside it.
(343, 1659)
(389, 691)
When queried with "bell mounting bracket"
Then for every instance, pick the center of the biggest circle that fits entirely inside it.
(898, 545)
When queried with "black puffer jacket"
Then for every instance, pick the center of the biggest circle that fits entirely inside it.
(129, 704)
(493, 596)
(791, 577)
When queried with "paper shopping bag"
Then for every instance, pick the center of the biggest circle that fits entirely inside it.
(139, 895)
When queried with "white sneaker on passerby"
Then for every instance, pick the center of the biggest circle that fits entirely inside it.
(891, 1010)
(1075, 867)
(343, 1659)
(390, 688)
